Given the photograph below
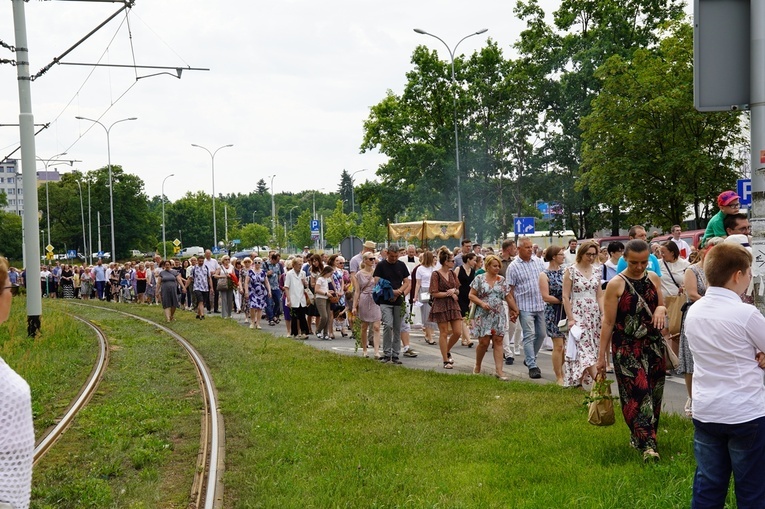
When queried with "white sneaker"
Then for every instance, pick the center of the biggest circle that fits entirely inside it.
(252, 326)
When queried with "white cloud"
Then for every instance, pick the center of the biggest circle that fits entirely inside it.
(290, 85)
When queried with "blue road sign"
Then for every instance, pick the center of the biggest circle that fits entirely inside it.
(216, 250)
(72, 253)
(524, 225)
(236, 241)
(314, 225)
(744, 187)
(100, 254)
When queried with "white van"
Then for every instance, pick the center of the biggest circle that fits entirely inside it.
(188, 252)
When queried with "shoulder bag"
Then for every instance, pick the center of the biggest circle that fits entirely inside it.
(674, 305)
(670, 358)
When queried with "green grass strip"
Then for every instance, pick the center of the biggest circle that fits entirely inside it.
(306, 428)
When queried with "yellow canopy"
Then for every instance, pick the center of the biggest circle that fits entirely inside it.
(425, 230)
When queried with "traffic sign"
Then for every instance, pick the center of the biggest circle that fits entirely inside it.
(314, 225)
(524, 225)
(100, 254)
(176, 242)
(216, 250)
(71, 254)
(49, 248)
(49, 256)
(176, 249)
(744, 187)
(236, 241)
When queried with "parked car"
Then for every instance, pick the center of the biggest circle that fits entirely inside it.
(692, 237)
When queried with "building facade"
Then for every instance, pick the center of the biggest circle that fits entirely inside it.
(12, 186)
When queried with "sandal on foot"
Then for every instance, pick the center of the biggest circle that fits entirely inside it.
(449, 357)
(501, 377)
(476, 370)
(431, 342)
(448, 365)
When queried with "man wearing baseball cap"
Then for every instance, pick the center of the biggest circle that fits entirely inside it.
(728, 202)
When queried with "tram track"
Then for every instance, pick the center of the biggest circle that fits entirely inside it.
(44, 444)
(207, 486)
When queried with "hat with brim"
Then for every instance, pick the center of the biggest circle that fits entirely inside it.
(370, 244)
(726, 198)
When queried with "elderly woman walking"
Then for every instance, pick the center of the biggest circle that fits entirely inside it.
(258, 290)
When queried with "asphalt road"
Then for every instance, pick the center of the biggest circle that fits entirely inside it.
(429, 358)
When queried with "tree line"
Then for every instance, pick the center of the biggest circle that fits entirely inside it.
(594, 114)
(138, 218)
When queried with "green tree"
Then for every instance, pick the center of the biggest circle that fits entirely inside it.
(251, 234)
(584, 35)
(646, 146)
(372, 226)
(339, 225)
(300, 235)
(345, 189)
(10, 234)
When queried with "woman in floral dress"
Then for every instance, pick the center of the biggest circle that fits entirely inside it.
(488, 292)
(258, 290)
(634, 316)
(581, 300)
(551, 287)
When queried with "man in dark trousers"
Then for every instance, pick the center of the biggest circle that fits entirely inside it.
(397, 274)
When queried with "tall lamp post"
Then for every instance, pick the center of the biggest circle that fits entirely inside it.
(82, 214)
(212, 157)
(454, 101)
(109, 162)
(46, 163)
(273, 208)
(353, 207)
(164, 242)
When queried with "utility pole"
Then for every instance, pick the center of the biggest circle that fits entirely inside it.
(28, 151)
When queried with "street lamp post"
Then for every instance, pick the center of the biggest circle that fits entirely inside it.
(82, 214)
(109, 162)
(212, 157)
(46, 163)
(164, 242)
(293, 208)
(273, 208)
(454, 101)
(353, 207)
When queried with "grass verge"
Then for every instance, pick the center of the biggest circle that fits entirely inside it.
(306, 429)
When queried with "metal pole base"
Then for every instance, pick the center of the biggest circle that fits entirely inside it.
(33, 326)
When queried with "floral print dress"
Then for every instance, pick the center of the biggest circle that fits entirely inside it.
(585, 310)
(491, 322)
(638, 352)
(554, 313)
(257, 289)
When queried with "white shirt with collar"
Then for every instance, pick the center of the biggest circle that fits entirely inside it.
(724, 335)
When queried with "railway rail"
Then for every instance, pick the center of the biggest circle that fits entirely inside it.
(207, 487)
(45, 442)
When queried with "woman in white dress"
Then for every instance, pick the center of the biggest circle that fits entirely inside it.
(582, 300)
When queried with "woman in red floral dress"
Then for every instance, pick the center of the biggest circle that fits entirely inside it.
(634, 316)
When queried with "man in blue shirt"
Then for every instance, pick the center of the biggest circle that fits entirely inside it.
(638, 232)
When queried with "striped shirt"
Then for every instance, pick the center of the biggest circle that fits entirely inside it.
(523, 277)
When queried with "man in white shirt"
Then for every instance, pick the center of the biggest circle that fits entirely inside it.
(685, 249)
(727, 340)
